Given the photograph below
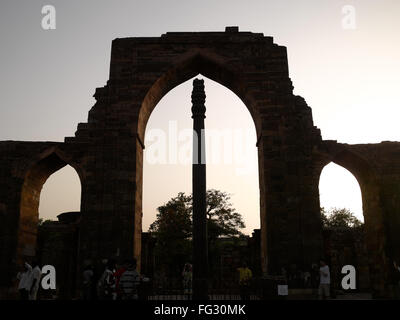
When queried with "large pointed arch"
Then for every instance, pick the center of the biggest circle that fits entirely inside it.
(188, 66)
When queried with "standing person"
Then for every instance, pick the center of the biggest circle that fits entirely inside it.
(324, 282)
(95, 280)
(129, 282)
(307, 279)
(314, 276)
(107, 282)
(36, 274)
(87, 276)
(284, 273)
(245, 276)
(25, 281)
(187, 277)
(396, 280)
(117, 276)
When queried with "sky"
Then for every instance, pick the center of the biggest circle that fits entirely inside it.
(344, 59)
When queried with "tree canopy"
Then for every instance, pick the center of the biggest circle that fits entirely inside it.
(172, 228)
(339, 219)
(174, 219)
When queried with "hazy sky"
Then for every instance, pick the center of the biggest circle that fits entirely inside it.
(350, 78)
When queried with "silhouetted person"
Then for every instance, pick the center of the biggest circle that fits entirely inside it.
(293, 276)
(129, 282)
(314, 276)
(95, 280)
(324, 281)
(284, 273)
(307, 279)
(88, 278)
(25, 281)
(36, 274)
(245, 276)
(396, 280)
(187, 277)
(117, 275)
(107, 282)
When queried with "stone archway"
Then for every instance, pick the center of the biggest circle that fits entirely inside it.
(194, 64)
(142, 70)
(374, 220)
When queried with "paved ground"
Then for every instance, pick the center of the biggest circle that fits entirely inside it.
(350, 296)
(355, 296)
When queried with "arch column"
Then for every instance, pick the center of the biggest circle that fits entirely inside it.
(390, 199)
(290, 211)
(112, 211)
(375, 237)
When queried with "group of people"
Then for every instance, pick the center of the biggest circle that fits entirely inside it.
(244, 276)
(115, 283)
(29, 280)
(315, 277)
(298, 278)
(121, 282)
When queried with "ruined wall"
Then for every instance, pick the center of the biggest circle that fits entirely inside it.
(142, 71)
(107, 153)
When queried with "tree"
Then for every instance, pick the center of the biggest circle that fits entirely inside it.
(172, 230)
(344, 237)
(222, 218)
(174, 219)
(173, 226)
(339, 219)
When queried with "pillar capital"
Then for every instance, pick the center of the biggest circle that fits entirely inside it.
(198, 99)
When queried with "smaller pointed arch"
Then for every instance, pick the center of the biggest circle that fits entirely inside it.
(39, 170)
